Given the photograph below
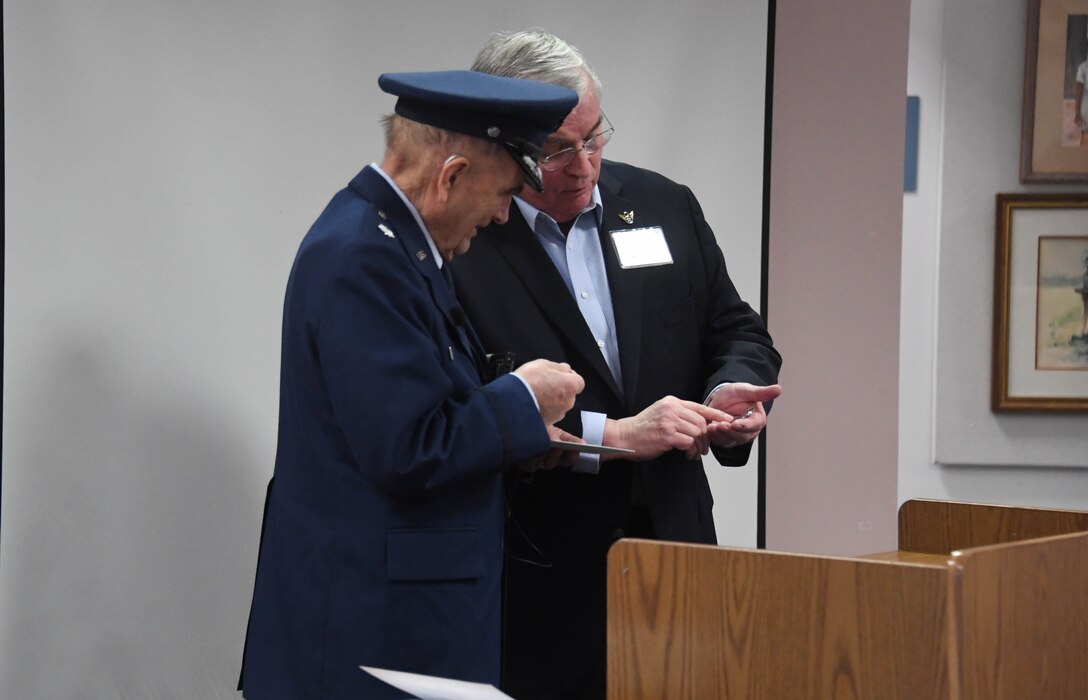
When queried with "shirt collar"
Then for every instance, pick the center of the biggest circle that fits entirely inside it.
(531, 213)
(415, 214)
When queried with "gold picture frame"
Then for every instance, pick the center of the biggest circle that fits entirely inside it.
(1053, 142)
(1040, 342)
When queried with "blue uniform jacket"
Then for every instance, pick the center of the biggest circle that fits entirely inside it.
(382, 541)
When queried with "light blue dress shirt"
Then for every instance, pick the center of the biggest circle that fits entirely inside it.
(580, 261)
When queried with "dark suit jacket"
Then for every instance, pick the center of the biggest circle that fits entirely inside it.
(682, 329)
(382, 539)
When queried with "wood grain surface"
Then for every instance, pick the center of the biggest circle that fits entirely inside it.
(980, 602)
(691, 621)
(941, 527)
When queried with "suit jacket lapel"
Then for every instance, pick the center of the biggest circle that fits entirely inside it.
(519, 246)
(625, 286)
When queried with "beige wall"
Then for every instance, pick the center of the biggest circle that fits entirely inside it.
(840, 69)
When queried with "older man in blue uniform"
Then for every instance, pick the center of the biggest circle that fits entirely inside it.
(382, 540)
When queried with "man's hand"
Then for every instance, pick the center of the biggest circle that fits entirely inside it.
(554, 384)
(667, 424)
(554, 457)
(744, 402)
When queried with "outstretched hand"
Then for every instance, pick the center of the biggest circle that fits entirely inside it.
(744, 403)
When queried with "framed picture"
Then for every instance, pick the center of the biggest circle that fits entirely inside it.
(1054, 133)
(1040, 348)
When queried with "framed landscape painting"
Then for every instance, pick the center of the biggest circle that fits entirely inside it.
(1040, 341)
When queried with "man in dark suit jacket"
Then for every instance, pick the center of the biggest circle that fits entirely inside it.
(382, 539)
(614, 270)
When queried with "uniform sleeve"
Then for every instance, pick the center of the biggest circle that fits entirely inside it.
(404, 393)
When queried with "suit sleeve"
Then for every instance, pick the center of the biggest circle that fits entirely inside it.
(736, 345)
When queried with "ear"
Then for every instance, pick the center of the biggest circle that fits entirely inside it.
(453, 169)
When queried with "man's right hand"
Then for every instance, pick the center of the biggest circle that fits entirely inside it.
(667, 424)
(554, 384)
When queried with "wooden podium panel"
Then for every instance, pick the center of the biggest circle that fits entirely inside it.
(941, 527)
(1024, 619)
(714, 622)
(994, 616)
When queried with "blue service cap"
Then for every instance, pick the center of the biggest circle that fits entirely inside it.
(517, 113)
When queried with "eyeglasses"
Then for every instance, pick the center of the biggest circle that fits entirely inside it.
(560, 159)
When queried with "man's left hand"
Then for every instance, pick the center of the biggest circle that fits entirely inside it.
(554, 457)
(744, 402)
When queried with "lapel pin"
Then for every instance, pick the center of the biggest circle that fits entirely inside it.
(386, 230)
(421, 255)
(382, 214)
(628, 216)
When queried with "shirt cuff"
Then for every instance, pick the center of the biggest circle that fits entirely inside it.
(593, 433)
(706, 401)
(528, 389)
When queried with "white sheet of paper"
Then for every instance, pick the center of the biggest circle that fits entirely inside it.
(641, 247)
(435, 688)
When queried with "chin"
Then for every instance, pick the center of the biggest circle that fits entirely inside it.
(581, 200)
(464, 246)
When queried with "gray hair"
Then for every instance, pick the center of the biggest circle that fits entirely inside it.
(537, 55)
(400, 131)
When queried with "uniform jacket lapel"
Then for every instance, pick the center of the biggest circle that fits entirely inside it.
(402, 225)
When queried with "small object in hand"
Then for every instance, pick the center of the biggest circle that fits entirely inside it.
(591, 449)
(747, 413)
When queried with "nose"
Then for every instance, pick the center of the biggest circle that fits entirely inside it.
(503, 212)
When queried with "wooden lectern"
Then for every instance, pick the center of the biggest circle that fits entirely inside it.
(979, 602)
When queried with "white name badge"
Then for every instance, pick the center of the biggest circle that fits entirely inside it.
(641, 247)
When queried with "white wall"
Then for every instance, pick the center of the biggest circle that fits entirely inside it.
(966, 64)
(163, 161)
